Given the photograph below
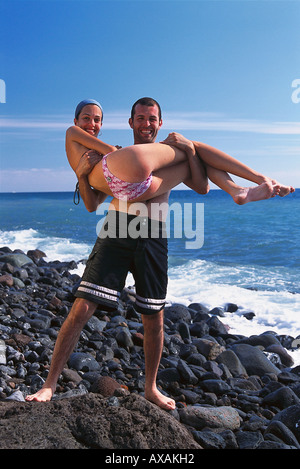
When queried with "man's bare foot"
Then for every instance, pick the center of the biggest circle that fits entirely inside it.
(43, 395)
(264, 191)
(164, 402)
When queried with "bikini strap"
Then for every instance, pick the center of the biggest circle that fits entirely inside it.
(76, 194)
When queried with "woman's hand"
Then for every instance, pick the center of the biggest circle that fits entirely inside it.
(87, 162)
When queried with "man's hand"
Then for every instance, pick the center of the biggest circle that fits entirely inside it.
(87, 162)
(178, 141)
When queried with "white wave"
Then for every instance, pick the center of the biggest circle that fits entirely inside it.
(274, 310)
(54, 247)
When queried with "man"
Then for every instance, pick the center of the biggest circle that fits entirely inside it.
(145, 121)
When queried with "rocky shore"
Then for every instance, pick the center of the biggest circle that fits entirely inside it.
(231, 391)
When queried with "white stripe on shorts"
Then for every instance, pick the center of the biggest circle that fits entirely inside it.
(150, 303)
(99, 291)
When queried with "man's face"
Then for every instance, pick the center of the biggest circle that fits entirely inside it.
(90, 119)
(145, 124)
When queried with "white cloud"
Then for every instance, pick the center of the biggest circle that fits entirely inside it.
(37, 180)
(178, 121)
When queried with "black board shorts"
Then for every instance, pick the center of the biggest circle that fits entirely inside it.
(127, 243)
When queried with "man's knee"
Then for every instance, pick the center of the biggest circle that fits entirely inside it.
(82, 310)
(153, 321)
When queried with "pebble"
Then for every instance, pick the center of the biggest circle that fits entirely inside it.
(231, 391)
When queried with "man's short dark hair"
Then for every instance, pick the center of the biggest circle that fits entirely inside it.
(146, 102)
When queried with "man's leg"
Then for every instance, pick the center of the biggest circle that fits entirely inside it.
(153, 346)
(68, 336)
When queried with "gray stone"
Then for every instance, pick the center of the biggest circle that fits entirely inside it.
(16, 396)
(16, 259)
(177, 312)
(2, 353)
(291, 418)
(254, 360)
(217, 386)
(209, 440)
(233, 363)
(280, 430)
(83, 362)
(186, 374)
(285, 358)
(249, 440)
(281, 398)
(211, 350)
(212, 417)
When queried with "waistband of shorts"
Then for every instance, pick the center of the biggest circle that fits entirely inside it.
(121, 224)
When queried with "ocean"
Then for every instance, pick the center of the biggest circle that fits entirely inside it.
(219, 252)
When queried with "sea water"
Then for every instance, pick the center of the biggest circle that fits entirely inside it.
(219, 252)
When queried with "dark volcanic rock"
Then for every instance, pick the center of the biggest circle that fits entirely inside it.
(90, 422)
(254, 360)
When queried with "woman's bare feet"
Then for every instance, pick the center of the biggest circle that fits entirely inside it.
(43, 395)
(264, 191)
(284, 190)
(164, 402)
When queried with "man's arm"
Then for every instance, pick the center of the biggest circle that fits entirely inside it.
(198, 180)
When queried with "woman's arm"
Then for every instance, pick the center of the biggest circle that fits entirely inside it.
(91, 197)
(76, 134)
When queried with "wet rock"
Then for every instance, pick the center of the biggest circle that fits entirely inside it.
(209, 440)
(233, 363)
(282, 398)
(281, 431)
(16, 259)
(248, 440)
(83, 362)
(254, 360)
(211, 417)
(290, 417)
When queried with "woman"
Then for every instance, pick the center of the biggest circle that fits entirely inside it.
(141, 172)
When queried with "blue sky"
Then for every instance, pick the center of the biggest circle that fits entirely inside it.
(225, 72)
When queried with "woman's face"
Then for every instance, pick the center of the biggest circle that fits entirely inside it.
(90, 119)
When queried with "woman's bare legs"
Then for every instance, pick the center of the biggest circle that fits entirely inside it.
(135, 163)
(220, 160)
(224, 162)
(242, 195)
(169, 166)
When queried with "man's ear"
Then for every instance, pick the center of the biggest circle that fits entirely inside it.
(130, 122)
